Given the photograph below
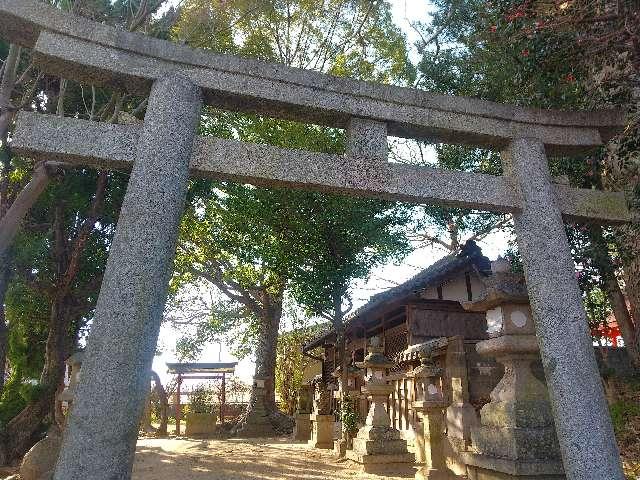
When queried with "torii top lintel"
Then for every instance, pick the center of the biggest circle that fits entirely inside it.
(82, 50)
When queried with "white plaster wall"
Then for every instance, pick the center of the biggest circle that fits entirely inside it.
(456, 289)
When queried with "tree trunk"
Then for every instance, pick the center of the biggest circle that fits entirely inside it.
(5, 275)
(623, 318)
(146, 417)
(616, 297)
(266, 354)
(630, 242)
(164, 405)
(7, 83)
(341, 342)
(12, 219)
(266, 351)
(22, 431)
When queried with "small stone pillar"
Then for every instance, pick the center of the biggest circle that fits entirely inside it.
(378, 447)
(516, 437)
(430, 406)
(321, 419)
(74, 364)
(461, 416)
(302, 430)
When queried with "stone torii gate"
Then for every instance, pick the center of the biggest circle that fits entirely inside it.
(100, 440)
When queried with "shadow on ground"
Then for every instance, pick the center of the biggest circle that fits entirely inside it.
(238, 459)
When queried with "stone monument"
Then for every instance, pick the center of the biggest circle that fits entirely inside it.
(378, 447)
(40, 460)
(302, 429)
(516, 437)
(257, 422)
(321, 419)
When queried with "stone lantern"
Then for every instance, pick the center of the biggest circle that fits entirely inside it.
(353, 373)
(430, 405)
(516, 437)
(378, 446)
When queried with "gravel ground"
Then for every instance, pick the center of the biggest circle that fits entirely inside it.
(239, 459)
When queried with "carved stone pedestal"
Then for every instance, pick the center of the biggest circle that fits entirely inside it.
(302, 430)
(321, 431)
(430, 407)
(381, 450)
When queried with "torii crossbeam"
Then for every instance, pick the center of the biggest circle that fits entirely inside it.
(100, 439)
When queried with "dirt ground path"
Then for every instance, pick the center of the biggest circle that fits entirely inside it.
(239, 459)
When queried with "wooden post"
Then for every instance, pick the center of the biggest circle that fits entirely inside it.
(178, 408)
(223, 398)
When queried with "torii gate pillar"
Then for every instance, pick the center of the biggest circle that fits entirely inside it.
(581, 415)
(100, 442)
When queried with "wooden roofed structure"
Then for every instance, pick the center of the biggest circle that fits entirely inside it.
(425, 306)
(200, 371)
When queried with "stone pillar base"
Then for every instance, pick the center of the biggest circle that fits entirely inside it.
(381, 449)
(460, 419)
(483, 467)
(340, 448)
(257, 424)
(302, 430)
(201, 424)
(431, 474)
(321, 431)
(399, 464)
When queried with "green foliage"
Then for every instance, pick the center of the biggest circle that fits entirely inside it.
(349, 416)
(252, 242)
(201, 399)
(290, 362)
(16, 394)
(547, 55)
(354, 38)
(46, 287)
(222, 321)
(621, 412)
(349, 239)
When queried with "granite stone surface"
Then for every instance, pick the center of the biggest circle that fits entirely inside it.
(113, 146)
(89, 62)
(582, 420)
(23, 20)
(99, 442)
(91, 52)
